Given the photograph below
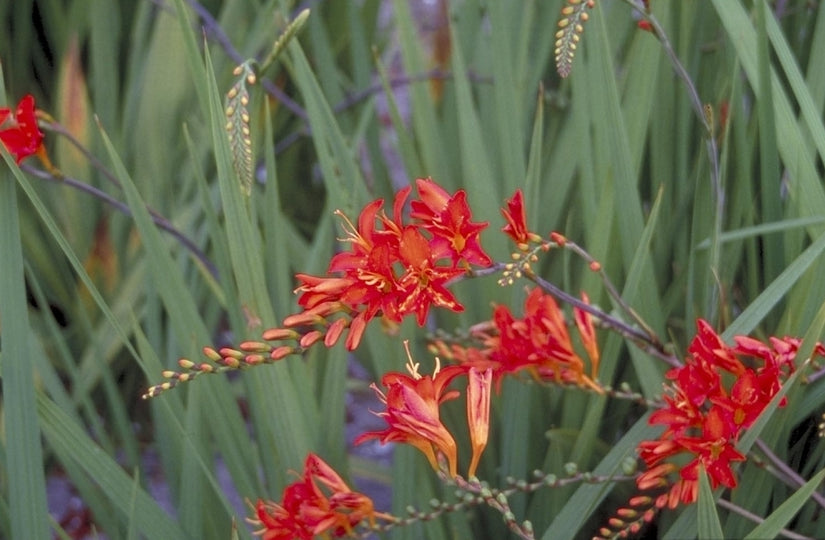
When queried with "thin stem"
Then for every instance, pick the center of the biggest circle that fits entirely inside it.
(639, 338)
(476, 499)
(796, 481)
(815, 376)
(404, 80)
(698, 109)
(157, 219)
(213, 29)
(612, 291)
(50, 124)
(757, 519)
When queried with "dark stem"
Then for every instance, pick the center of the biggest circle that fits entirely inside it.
(157, 219)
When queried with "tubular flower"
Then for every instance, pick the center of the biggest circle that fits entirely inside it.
(538, 343)
(318, 503)
(22, 138)
(412, 413)
(706, 410)
(516, 227)
(478, 412)
(394, 268)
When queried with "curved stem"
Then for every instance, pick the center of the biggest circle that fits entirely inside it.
(793, 479)
(757, 519)
(159, 220)
(698, 109)
(641, 339)
(613, 291)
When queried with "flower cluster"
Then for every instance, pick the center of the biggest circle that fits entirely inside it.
(713, 398)
(22, 138)
(394, 268)
(538, 343)
(412, 412)
(319, 503)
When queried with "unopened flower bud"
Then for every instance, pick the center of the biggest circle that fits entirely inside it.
(280, 353)
(279, 334)
(254, 346)
(212, 354)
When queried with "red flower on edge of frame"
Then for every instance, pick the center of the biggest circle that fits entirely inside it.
(710, 401)
(23, 137)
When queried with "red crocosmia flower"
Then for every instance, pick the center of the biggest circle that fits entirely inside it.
(22, 137)
(319, 503)
(539, 343)
(393, 269)
(709, 347)
(423, 284)
(448, 220)
(709, 402)
(412, 413)
(516, 227)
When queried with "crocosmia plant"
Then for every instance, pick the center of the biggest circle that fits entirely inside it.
(405, 269)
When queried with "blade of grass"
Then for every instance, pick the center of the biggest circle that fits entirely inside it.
(424, 122)
(71, 444)
(808, 190)
(533, 173)
(280, 387)
(342, 177)
(608, 120)
(585, 500)
(773, 524)
(769, 174)
(708, 525)
(763, 229)
(225, 421)
(507, 91)
(24, 453)
(773, 293)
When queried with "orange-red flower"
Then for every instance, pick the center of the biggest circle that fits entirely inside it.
(710, 401)
(318, 503)
(413, 412)
(413, 415)
(22, 138)
(394, 268)
(514, 214)
(448, 220)
(423, 283)
(538, 343)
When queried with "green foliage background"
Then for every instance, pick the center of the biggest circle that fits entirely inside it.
(613, 156)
